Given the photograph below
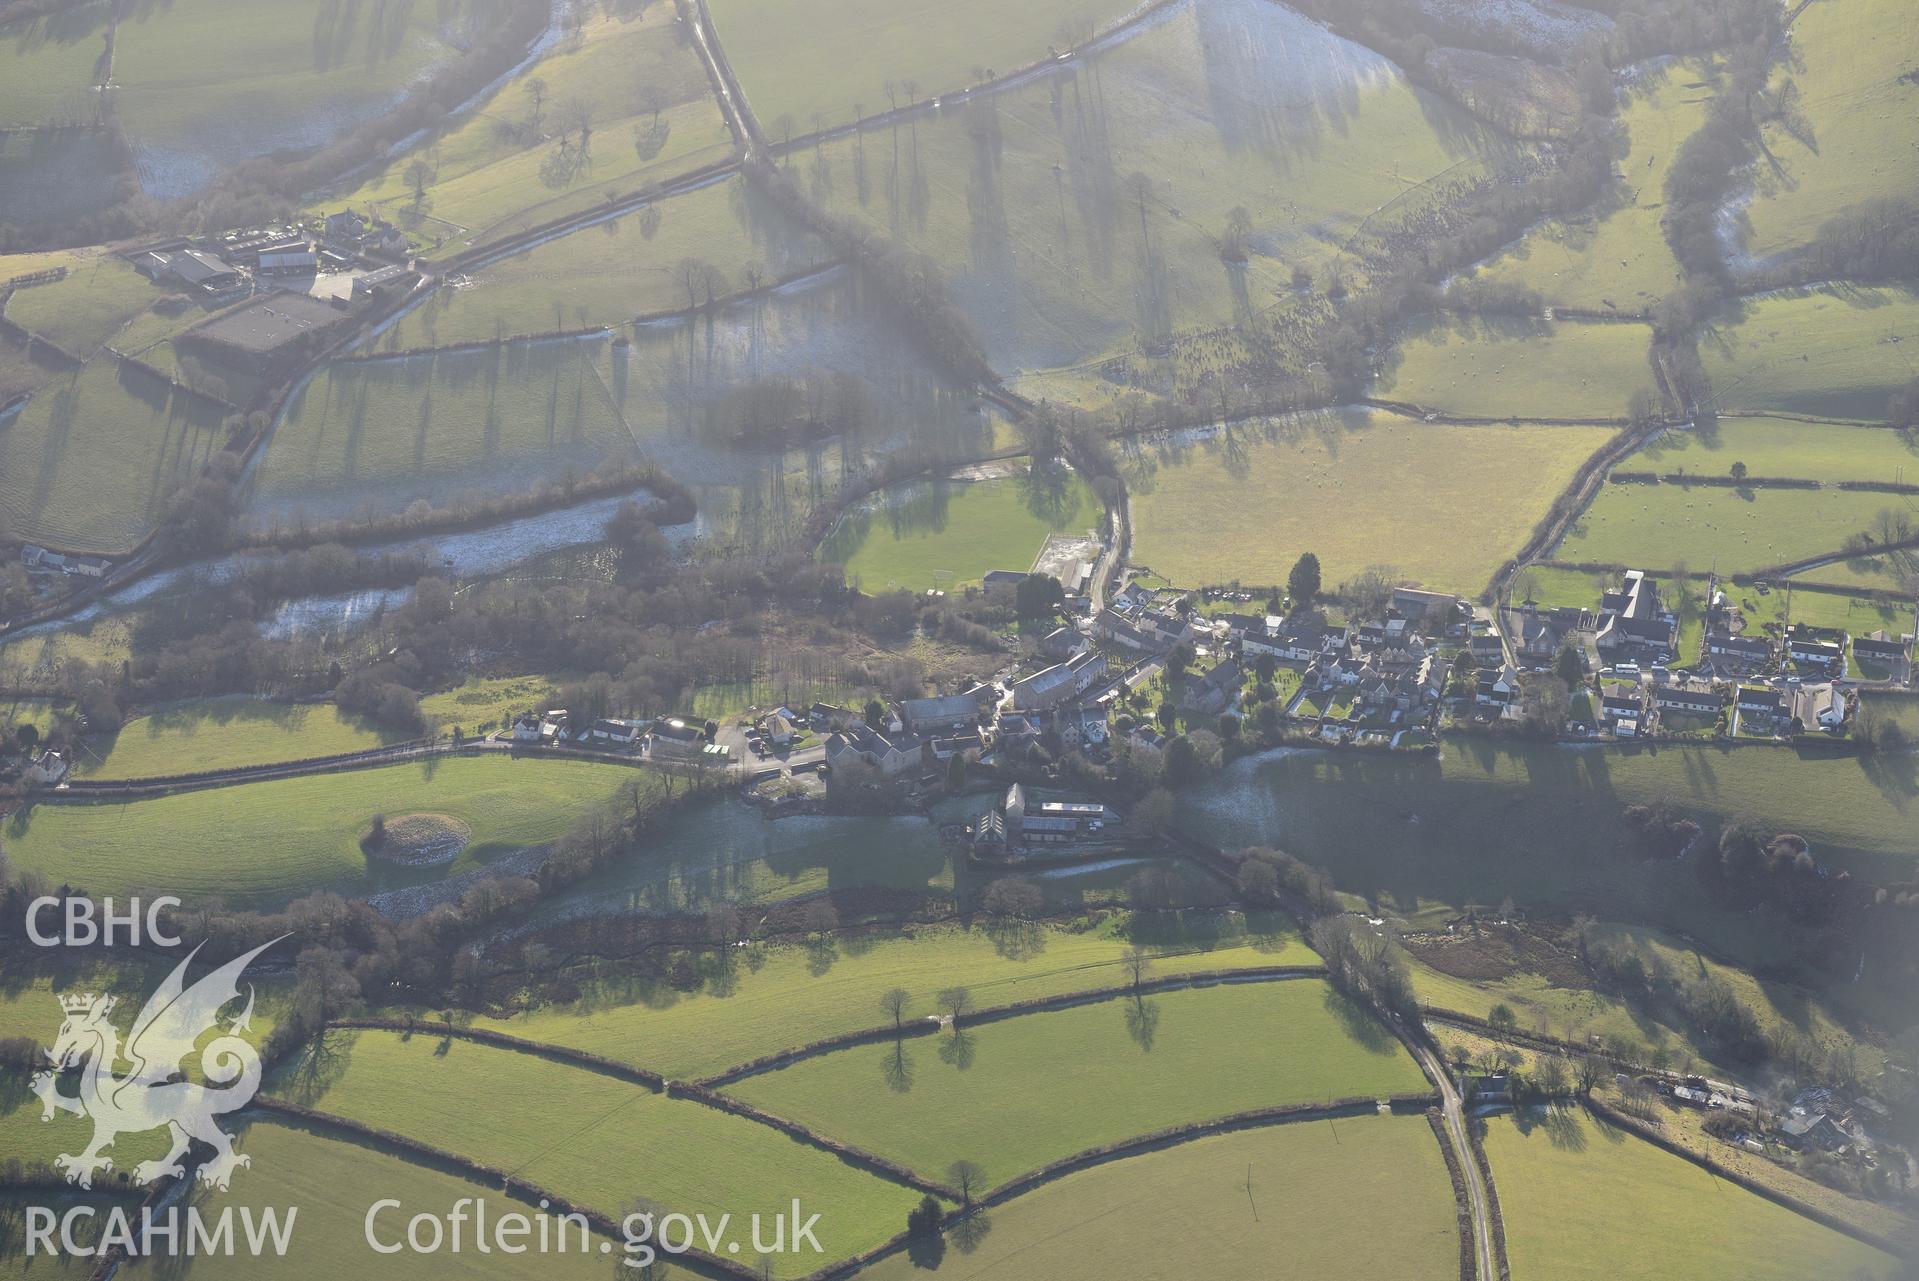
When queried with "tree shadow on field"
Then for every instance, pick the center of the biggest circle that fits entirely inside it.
(1359, 1025)
(896, 1069)
(970, 1231)
(1016, 940)
(1142, 1022)
(927, 1251)
(959, 1050)
(317, 1067)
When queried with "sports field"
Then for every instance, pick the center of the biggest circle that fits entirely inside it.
(91, 461)
(1017, 1093)
(1241, 503)
(1839, 351)
(947, 534)
(1080, 215)
(1585, 1200)
(1615, 256)
(1503, 367)
(377, 435)
(594, 1139)
(266, 842)
(1853, 135)
(221, 733)
(1781, 447)
(793, 995)
(633, 71)
(1304, 1200)
(1732, 530)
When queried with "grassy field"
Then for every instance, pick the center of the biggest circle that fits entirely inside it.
(1736, 531)
(1079, 216)
(1543, 824)
(599, 1141)
(633, 69)
(611, 272)
(1857, 136)
(1553, 996)
(818, 67)
(46, 74)
(1283, 1201)
(785, 996)
(1780, 447)
(1582, 1199)
(91, 461)
(949, 534)
(1243, 503)
(84, 311)
(1616, 256)
(1508, 367)
(203, 84)
(482, 699)
(220, 733)
(381, 434)
(1839, 352)
(1015, 1094)
(334, 1182)
(264, 842)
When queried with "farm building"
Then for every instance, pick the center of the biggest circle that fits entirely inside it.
(1632, 619)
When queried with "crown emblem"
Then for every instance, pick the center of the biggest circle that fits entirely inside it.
(81, 1004)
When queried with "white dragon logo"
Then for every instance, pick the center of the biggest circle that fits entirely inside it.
(154, 1093)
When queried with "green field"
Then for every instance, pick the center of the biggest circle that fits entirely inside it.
(265, 842)
(1616, 257)
(1547, 1003)
(46, 76)
(1734, 531)
(84, 311)
(91, 461)
(611, 272)
(334, 1182)
(203, 84)
(1780, 447)
(1858, 133)
(1015, 1094)
(380, 434)
(1543, 824)
(596, 1140)
(792, 995)
(1283, 1201)
(222, 733)
(1243, 503)
(1031, 198)
(816, 67)
(1584, 1200)
(492, 176)
(1507, 367)
(1839, 351)
(948, 534)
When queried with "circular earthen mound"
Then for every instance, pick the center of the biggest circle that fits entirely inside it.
(421, 840)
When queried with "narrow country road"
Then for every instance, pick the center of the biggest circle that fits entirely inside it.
(1485, 1264)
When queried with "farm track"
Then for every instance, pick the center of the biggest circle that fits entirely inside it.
(1452, 1109)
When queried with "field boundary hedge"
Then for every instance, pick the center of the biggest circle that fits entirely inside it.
(871, 1162)
(400, 1145)
(1138, 1145)
(925, 1026)
(1462, 1202)
(1620, 1120)
(502, 1041)
(1476, 1140)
